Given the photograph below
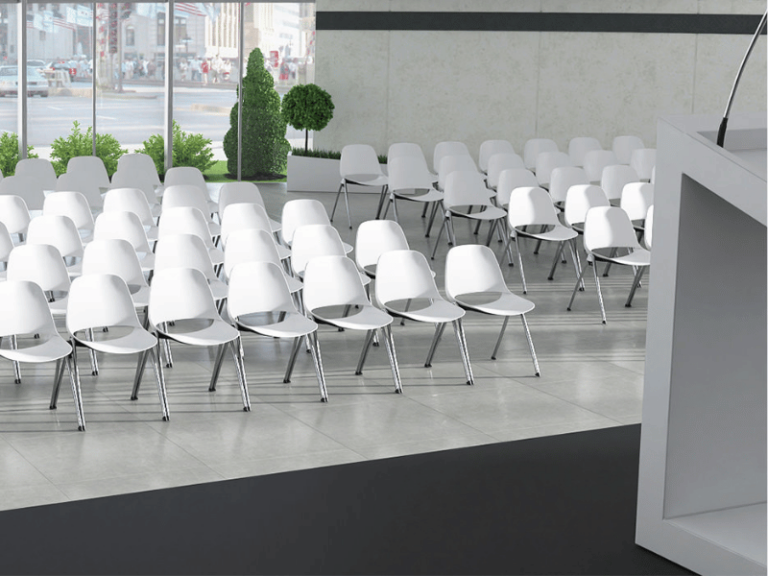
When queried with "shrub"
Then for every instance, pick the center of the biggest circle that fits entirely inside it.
(188, 150)
(81, 144)
(307, 107)
(9, 153)
(264, 145)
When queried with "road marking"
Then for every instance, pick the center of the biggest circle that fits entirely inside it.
(106, 117)
(55, 108)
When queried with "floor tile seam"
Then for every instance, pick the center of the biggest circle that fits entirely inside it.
(32, 464)
(149, 473)
(509, 430)
(278, 458)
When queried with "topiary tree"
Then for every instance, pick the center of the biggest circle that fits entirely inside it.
(307, 107)
(265, 148)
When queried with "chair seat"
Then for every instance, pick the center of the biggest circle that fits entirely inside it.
(294, 284)
(488, 213)
(140, 296)
(365, 318)
(59, 306)
(275, 225)
(558, 234)
(117, 341)
(499, 304)
(638, 257)
(437, 312)
(75, 270)
(292, 326)
(147, 263)
(43, 349)
(213, 333)
(218, 289)
(283, 251)
(431, 195)
(217, 256)
(152, 233)
(214, 228)
(366, 179)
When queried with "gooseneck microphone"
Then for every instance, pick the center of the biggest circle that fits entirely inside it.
(724, 122)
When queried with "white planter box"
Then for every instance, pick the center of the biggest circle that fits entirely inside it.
(306, 174)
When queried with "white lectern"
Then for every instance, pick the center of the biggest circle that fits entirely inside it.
(702, 482)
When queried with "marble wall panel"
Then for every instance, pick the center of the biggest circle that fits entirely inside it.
(621, 6)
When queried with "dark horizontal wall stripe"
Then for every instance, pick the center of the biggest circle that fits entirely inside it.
(540, 22)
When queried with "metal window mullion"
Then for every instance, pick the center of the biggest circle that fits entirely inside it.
(93, 77)
(21, 54)
(170, 21)
(240, 51)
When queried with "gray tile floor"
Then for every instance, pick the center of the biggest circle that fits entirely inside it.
(592, 377)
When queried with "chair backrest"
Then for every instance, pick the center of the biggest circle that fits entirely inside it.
(447, 148)
(24, 309)
(142, 163)
(301, 212)
(501, 161)
(186, 175)
(653, 175)
(249, 245)
(608, 227)
(29, 190)
(83, 182)
(410, 149)
(100, 300)
(531, 205)
(403, 275)
(312, 241)
(237, 193)
(93, 166)
(579, 199)
(624, 145)
(472, 268)
(180, 294)
(548, 161)
(333, 281)
(359, 159)
(38, 169)
(41, 264)
(510, 179)
(648, 235)
(408, 173)
(536, 146)
(185, 220)
(71, 204)
(58, 231)
(643, 161)
(615, 177)
(129, 200)
(490, 147)
(595, 161)
(272, 295)
(132, 178)
(14, 213)
(636, 199)
(6, 243)
(243, 216)
(562, 178)
(374, 237)
(453, 163)
(464, 188)
(177, 195)
(183, 251)
(113, 256)
(122, 225)
(579, 146)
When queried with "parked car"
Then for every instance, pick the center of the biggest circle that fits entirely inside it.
(36, 64)
(37, 84)
(53, 66)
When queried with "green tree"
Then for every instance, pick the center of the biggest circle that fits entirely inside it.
(307, 107)
(188, 150)
(265, 148)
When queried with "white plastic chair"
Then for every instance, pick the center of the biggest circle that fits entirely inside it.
(410, 150)
(28, 189)
(189, 251)
(142, 163)
(562, 178)
(653, 175)
(636, 199)
(254, 311)
(128, 178)
(181, 195)
(58, 231)
(189, 220)
(15, 215)
(579, 146)
(6, 246)
(103, 300)
(43, 265)
(374, 237)
(510, 179)
(474, 281)
(74, 206)
(83, 182)
(614, 178)
(609, 228)
(132, 200)
(243, 216)
(116, 256)
(546, 162)
(536, 146)
(579, 199)
(239, 192)
(333, 282)
(624, 145)
(447, 148)
(93, 166)
(182, 310)
(126, 226)
(648, 236)
(24, 311)
(533, 207)
(38, 169)
(408, 175)
(643, 161)
(404, 280)
(454, 163)
(467, 197)
(499, 162)
(490, 147)
(189, 175)
(315, 240)
(254, 245)
(359, 165)
(302, 212)
(595, 161)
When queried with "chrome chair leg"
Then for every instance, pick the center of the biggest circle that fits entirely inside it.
(59, 373)
(333, 212)
(364, 352)
(501, 335)
(435, 208)
(161, 391)
(576, 260)
(555, 260)
(346, 201)
(217, 367)
(140, 364)
(579, 281)
(424, 210)
(635, 284)
(607, 268)
(530, 345)
(16, 365)
(382, 199)
(599, 292)
(389, 342)
(520, 263)
(292, 359)
(237, 356)
(74, 380)
(439, 235)
(317, 359)
(433, 346)
(94, 362)
(458, 328)
(167, 346)
(451, 231)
